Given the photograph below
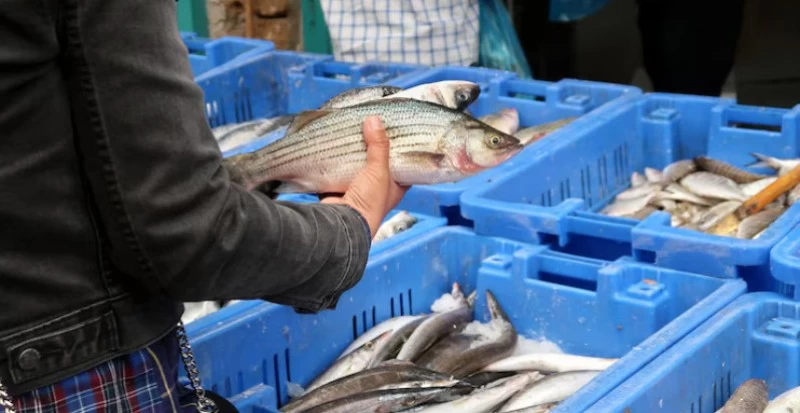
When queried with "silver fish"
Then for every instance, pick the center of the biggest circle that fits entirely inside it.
(390, 325)
(717, 213)
(786, 402)
(506, 120)
(752, 188)
(400, 222)
(727, 170)
(708, 185)
(371, 379)
(247, 132)
(464, 353)
(539, 408)
(554, 388)
(783, 166)
(481, 378)
(793, 195)
(677, 170)
(349, 364)
(392, 400)
(654, 176)
(642, 213)
(454, 94)
(665, 204)
(484, 400)
(532, 134)
(637, 179)
(751, 396)
(359, 95)
(638, 191)
(756, 223)
(424, 384)
(627, 207)
(550, 363)
(676, 192)
(434, 328)
(324, 150)
(395, 342)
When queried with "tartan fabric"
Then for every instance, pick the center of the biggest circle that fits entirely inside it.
(143, 381)
(427, 32)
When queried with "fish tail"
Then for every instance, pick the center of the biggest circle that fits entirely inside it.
(762, 161)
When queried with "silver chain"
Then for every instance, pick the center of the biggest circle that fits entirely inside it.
(204, 404)
(5, 399)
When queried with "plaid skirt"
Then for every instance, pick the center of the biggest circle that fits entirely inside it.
(143, 381)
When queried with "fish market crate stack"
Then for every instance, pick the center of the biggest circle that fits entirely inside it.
(785, 260)
(755, 337)
(311, 87)
(559, 196)
(620, 309)
(206, 54)
(537, 102)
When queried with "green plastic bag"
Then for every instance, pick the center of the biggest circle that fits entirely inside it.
(499, 44)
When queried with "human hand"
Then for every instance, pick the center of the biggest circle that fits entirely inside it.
(373, 192)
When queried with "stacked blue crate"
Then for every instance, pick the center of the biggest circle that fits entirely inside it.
(206, 54)
(557, 196)
(590, 307)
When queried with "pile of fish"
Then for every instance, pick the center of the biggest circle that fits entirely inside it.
(704, 194)
(445, 362)
(433, 139)
(752, 396)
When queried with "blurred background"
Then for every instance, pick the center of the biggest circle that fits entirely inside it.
(745, 49)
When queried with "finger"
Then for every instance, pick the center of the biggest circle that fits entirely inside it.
(377, 142)
(396, 193)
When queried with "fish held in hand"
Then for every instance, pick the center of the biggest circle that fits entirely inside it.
(400, 222)
(323, 151)
(708, 185)
(727, 170)
(751, 396)
(505, 120)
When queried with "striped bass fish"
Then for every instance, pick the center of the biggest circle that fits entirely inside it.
(323, 150)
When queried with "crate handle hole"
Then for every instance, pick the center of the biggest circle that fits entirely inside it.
(786, 326)
(754, 126)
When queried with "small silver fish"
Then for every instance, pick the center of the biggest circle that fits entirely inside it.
(654, 176)
(717, 213)
(506, 120)
(637, 179)
(550, 363)
(400, 222)
(642, 213)
(783, 166)
(352, 363)
(709, 185)
(454, 94)
(665, 204)
(786, 402)
(359, 95)
(727, 170)
(752, 396)
(756, 223)
(485, 400)
(553, 388)
(752, 188)
(532, 134)
(676, 192)
(638, 191)
(625, 207)
(434, 328)
(677, 170)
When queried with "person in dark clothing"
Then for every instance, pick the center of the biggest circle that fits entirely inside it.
(689, 46)
(115, 209)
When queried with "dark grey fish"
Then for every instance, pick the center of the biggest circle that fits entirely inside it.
(393, 400)
(385, 374)
(485, 377)
(756, 223)
(434, 328)
(395, 342)
(752, 396)
(677, 170)
(727, 170)
(352, 363)
(461, 354)
(359, 95)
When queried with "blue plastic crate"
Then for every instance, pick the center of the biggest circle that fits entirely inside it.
(206, 54)
(536, 101)
(252, 86)
(785, 260)
(555, 198)
(587, 306)
(755, 337)
(310, 88)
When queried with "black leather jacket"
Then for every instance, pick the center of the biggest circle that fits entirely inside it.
(113, 205)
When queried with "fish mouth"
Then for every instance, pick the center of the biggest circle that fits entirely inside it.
(466, 94)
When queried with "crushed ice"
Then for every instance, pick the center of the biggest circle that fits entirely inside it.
(446, 303)
(528, 346)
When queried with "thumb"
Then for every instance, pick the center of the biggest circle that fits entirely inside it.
(377, 143)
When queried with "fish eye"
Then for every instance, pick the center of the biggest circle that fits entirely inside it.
(495, 140)
(462, 96)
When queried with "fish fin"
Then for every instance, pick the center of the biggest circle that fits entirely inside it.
(762, 161)
(435, 158)
(304, 118)
(293, 187)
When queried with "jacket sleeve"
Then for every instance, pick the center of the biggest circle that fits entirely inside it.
(174, 220)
